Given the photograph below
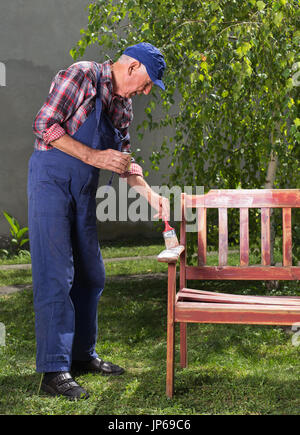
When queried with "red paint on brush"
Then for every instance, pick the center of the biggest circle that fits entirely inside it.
(167, 226)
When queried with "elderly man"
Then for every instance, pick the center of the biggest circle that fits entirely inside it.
(81, 128)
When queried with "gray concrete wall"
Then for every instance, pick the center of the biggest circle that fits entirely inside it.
(35, 39)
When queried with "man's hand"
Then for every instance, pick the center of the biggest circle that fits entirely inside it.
(111, 160)
(161, 204)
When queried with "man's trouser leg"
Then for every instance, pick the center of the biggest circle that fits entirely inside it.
(89, 275)
(57, 236)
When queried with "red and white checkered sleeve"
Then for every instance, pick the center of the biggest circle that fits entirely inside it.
(53, 133)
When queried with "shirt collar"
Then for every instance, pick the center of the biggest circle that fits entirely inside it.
(106, 77)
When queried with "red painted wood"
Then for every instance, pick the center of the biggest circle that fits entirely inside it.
(182, 278)
(243, 273)
(205, 292)
(250, 198)
(202, 243)
(244, 236)
(265, 237)
(235, 299)
(197, 312)
(287, 236)
(170, 255)
(223, 237)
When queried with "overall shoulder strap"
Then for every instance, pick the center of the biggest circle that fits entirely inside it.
(98, 107)
(98, 95)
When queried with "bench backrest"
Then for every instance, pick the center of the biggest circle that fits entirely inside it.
(244, 199)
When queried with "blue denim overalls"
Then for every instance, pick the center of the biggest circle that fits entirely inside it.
(67, 267)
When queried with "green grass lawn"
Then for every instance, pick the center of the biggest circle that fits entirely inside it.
(109, 250)
(233, 369)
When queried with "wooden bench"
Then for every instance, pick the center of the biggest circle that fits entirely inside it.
(198, 306)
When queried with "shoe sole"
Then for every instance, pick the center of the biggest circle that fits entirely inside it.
(117, 373)
(49, 390)
(85, 371)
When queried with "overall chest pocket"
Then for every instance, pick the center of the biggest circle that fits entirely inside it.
(109, 136)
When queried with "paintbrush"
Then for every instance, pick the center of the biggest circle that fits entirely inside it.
(169, 235)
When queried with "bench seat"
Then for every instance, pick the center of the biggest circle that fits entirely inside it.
(208, 307)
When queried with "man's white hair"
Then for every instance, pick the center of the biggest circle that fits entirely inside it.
(127, 59)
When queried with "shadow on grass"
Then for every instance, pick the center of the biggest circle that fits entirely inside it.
(199, 391)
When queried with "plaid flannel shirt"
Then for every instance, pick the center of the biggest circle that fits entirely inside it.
(72, 98)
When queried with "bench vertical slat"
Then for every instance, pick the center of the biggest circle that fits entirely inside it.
(287, 236)
(182, 282)
(244, 236)
(202, 241)
(265, 237)
(223, 236)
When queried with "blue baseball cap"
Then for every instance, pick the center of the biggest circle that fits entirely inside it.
(152, 58)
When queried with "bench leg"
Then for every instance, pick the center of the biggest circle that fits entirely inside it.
(183, 345)
(170, 359)
(171, 329)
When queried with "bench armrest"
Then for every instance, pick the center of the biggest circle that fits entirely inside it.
(170, 255)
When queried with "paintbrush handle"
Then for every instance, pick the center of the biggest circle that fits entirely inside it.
(167, 226)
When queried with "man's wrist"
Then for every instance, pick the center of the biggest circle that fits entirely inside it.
(140, 185)
(88, 156)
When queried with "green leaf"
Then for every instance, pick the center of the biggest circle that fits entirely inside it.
(260, 5)
(23, 242)
(243, 49)
(297, 122)
(12, 223)
(21, 233)
(278, 18)
(4, 252)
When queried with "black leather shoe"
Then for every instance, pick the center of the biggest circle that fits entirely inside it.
(64, 385)
(97, 365)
